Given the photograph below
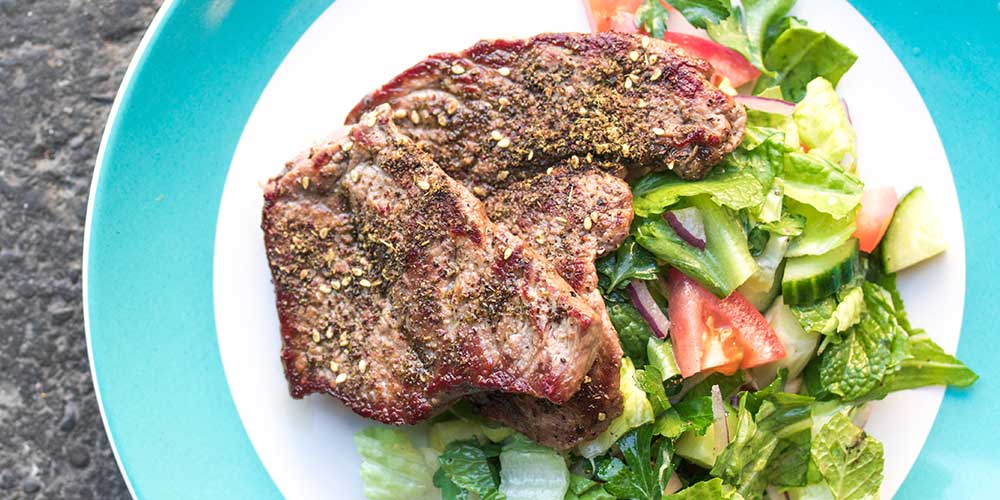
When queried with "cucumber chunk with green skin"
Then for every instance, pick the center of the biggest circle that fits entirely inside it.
(661, 356)
(764, 285)
(813, 277)
(915, 233)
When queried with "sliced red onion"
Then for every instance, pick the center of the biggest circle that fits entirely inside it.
(847, 110)
(861, 417)
(721, 422)
(793, 385)
(648, 308)
(766, 104)
(688, 224)
(674, 485)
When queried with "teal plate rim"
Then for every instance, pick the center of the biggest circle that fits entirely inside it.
(158, 180)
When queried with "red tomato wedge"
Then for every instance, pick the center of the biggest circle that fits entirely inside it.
(717, 335)
(613, 15)
(877, 207)
(727, 62)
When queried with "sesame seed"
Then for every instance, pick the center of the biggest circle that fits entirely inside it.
(628, 82)
(496, 135)
(415, 117)
(658, 131)
(399, 113)
(343, 377)
(656, 75)
(588, 223)
(548, 171)
(329, 332)
(583, 110)
(323, 232)
(451, 107)
(503, 174)
(587, 379)
(531, 154)
(442, 120)
(503, 143)
(347, 146)
(560, 219)
(503, 100)
(362, 365)
(365, 283)
(670, 166)
(355, 176)
(325, 289)
(644, 41)
(457, 69)
(303, 274)
(479, 191)
(601, 416)
(369, 120)
(422, 184)
(335, 285)
(590, 158)
(357, 271)
(316, 337)
(507, 253)
(594, 216)
(334, 367)
(305, 182)
(642, 103)
(540, 239)
(345, 281)
(625, 149)
(633, 55)
(653, 58)
(505, 71)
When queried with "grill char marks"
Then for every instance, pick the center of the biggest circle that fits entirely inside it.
(572, 218)
(504, 109)
(397, 295)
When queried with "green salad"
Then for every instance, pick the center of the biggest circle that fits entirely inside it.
(757, 308)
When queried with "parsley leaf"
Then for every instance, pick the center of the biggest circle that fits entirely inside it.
(637, 480)
(701, 13)
(630, 261)
(651, 17)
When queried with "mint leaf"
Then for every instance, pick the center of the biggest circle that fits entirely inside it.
(849, 460)
(633, 331)
(629, 261)
(466, 468)
(927, 364)
(651, 382)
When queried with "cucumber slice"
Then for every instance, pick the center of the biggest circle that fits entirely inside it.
(764, 285)
(813, 277)
(661, 356)
(915, 233)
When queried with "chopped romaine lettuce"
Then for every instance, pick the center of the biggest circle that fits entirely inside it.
(810, 179)
(442, 433)
(821, 232)
(799, 55)
(786, 124)
(850, 461)
(636, 411)
(744, 461)
(726, 261)
(661, 357)
(529, 471)
(823, 125)
(731, 187)
(712, 489)
(391, 467)
(744, 30)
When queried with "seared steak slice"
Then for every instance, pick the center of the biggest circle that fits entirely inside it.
(397, 295)
(502, 106)
(572, 217)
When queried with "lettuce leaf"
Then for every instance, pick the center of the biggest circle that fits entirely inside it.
(850, 461)
(744, 461)
(823, 125)
(810, 179)
(637, 411)
(713, 489)
(745, 30)
(799, 55)
(529, 471)
(391, 467)
(466, 468)
(821, 232)
(730, 187)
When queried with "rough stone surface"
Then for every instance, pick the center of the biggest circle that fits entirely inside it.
(60, 65)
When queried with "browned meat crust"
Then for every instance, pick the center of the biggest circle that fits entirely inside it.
(571, 217)
(397, 295)
(503, 107)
